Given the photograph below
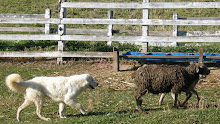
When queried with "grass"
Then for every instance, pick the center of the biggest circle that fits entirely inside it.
(104, 104)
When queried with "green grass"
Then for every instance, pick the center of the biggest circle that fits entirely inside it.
(104, 105)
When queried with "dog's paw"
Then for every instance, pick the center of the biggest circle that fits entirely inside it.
(47, 119)
(85, 113)
(62, 116)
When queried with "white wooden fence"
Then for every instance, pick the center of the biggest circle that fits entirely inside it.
(146, 5)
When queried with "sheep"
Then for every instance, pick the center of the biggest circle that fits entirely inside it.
(167, 78)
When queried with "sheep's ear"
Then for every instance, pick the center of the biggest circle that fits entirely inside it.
(201, 65)
(197, 70)
(191, 63)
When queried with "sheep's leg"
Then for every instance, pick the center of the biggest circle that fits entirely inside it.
(188, 95)
(175, 96)
(139, 100)
(193, 90)
(161, 98)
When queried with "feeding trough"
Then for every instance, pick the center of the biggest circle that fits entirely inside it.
(151, 56)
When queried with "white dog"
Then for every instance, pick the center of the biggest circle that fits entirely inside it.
(60, 89)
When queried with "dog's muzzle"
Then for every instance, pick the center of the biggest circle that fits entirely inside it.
(93, 87)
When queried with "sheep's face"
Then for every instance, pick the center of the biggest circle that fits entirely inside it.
(203, 70)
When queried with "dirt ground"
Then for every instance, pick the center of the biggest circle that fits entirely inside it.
(102, 71)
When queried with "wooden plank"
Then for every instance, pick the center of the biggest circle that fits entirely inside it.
(133, 5)
(28, 54)
(212, 57)
(202, 18)
(140, 38)
(145, 28)
(110, 27)
(29, 37)
(86, 54)
(55, 54)
(87, 31)
(108, 21)
(201, 55)
(29, 20)
(116, 59)
(105, 31)
(201, 33)
(138, 21)
(15, 15)
(106, 38)
(23, 29)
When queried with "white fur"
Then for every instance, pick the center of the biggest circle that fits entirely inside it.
(60, 89)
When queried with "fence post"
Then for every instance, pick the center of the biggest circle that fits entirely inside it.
(145, 28)
(200, 55)
(110, 27)
(175, 27)
(61, 31)
(116, 58)
(47, 26)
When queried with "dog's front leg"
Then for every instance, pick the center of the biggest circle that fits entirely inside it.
(61, 108)
(72, 103)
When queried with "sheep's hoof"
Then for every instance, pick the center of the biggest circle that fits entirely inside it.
(139, 109)
(181, 105)
(175, 107)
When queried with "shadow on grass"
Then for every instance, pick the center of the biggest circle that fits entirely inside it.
(116, 112)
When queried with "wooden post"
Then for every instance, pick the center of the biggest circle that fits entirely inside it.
(110, 27)
(200, 55)
(175, 27)
(145, 28)
(61, 31)
(116, 59)
(47, 26)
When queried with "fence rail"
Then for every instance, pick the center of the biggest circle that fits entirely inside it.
(55, 54)
(108, 21)
(153, 5)
(106, 38)
(63, 33)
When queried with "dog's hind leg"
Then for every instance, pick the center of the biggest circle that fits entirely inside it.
(61, 108)
(39, 104)
(72, 103)
(26, 103)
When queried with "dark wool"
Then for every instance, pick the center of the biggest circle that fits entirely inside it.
(164, 78)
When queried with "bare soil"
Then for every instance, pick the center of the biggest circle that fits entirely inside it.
(103, 73)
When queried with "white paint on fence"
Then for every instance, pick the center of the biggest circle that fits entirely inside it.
(107, 34)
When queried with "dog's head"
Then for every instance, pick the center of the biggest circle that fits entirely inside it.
(202, 70)
(91, 83)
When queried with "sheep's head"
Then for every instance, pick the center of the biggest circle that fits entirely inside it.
(202, 70)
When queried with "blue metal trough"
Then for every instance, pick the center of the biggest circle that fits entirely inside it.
(171, 56)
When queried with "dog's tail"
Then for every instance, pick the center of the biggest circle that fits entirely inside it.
(14, 83)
